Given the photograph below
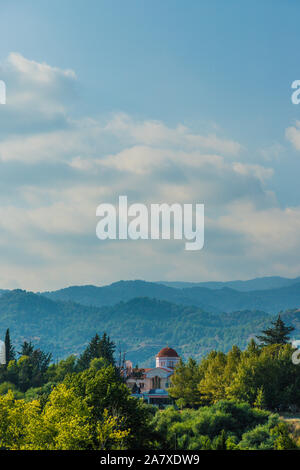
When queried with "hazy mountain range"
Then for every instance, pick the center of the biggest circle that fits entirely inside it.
(139, 327)
(260, 283)
(221, 299)
(142, 317)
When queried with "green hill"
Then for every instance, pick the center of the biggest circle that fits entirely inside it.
(259, 283)
(140, 327)
(214, 300)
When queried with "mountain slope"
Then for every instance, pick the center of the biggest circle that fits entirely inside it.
(216, 300)
(123, 291)
(141, 326)
(260, 283)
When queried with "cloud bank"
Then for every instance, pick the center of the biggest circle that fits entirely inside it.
(56, 168)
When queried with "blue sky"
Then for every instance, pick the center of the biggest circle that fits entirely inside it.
(187, 100)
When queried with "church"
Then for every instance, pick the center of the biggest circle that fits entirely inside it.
(152, 384)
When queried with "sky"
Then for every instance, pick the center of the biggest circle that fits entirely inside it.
(173, 101)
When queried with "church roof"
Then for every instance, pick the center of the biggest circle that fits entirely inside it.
(167, 352)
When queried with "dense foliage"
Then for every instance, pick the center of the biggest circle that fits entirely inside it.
(225, 425)
(278, 333)
(69, 420)
(75, 404)
(83, 403)
(263, 377)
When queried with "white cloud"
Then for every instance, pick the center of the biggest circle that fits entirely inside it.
(157, 133)
(38, 95)
(35, 72)
(257, 171)
(55, 170)
(293, 135)
(271, 230)
(272, 152)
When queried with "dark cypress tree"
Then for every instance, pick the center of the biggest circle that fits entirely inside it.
(9, 349)
(107, 349)
(33, 371)
(97, 348)
(26, 349)
(90, 352)
(279, 333)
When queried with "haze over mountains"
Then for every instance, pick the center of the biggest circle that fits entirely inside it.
(142, 317)
(221, 299)
(260, 283)
(140, 327)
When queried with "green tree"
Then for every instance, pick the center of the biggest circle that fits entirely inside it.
(278, 333)
(104, 389)
(30, 370)
(26, 349)
(184, 383)
(219, 443)
(212, 386)
(271, 371)
(224, 425)
(283, 439)
(57, 372)
(258, 438)
(260, 401)
(252, 348)
(97, 348)
(65, 423)
(9, 349)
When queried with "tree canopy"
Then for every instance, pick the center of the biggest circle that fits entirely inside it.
(278, 333)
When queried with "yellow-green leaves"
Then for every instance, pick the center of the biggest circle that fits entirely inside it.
(64, 424)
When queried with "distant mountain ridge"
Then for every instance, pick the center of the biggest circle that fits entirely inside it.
(142, 317)
(139, 327)
(260, 283)
(223, 299)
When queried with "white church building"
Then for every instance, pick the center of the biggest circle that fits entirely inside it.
(152, 384)
(2, 353)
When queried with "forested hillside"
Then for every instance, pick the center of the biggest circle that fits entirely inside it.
(213, 300)
(140, 327)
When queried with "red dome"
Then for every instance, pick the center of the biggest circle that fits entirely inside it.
(167, 352)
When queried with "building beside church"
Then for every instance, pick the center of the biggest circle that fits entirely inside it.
(152, 384)
(2, 353)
